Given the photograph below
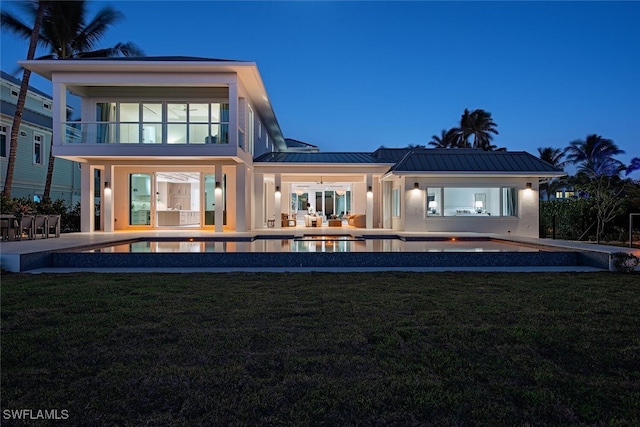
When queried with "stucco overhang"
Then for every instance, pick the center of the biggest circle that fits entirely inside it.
(246, 71)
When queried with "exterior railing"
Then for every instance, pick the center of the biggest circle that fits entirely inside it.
(145, 133)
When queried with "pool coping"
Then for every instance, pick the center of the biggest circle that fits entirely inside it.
(35, 255)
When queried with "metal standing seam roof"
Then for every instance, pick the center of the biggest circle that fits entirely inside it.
(470, 160)
(335, 158)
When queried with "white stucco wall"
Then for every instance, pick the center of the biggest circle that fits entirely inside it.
(413, 215)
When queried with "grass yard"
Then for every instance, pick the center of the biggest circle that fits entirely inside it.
(323, 349)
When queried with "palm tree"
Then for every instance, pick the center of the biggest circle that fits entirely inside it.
(481, 126)
(595, 156)
(633, 166)
(553, 156)
(32, 34)
(447, 139)
(66, 34)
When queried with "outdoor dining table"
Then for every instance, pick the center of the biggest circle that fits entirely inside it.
(8, 227)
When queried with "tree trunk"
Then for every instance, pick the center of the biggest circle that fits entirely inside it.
(47, 186)
(22, 96)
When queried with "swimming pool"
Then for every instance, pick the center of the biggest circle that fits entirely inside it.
(315, 244)
(309, 252)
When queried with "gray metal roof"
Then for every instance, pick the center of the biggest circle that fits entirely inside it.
(471, 160)
(338, 158)
(28, 116)
(294, 143)
(16, 81)
(391, 155)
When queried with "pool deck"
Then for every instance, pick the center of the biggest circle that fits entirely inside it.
(13, 253)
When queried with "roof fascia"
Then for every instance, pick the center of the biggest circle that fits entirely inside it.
(391, 174)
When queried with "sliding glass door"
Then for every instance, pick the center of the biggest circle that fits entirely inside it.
(140, 199)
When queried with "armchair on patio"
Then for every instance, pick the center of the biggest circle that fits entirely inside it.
(357, 220)
(53, 225)
(25, 226)
(40, 226)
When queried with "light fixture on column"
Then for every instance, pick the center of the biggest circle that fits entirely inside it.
(107, 184)
(369, 190)
(529, 186)
(218, 187)
(416, 186)
(277, 189)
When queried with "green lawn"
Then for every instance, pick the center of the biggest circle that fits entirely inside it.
(324, 349)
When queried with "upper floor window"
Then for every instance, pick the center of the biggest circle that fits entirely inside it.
(163, 123)
(37, 149)
(4, 150)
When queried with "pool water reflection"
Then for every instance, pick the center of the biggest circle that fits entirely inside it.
(315, 244)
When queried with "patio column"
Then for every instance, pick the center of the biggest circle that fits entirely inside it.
(86, 198)
(278, 201)
(218, 198)
(369, 210)
(241, 196)
(106, 205)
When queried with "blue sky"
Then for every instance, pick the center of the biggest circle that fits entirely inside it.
(353, 76)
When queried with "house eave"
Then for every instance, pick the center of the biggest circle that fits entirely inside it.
(463, 174)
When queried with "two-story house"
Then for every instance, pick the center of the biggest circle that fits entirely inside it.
(34, 142)
(195, 143)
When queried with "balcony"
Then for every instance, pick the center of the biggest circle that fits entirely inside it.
(145, 133)
(84, 140)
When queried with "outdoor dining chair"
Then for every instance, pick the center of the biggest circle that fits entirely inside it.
(53, 226)
(25, 227)
(40, 226)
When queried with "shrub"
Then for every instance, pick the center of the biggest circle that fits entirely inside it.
(69, 215)
(625, 262)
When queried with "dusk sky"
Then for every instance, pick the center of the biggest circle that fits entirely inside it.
(354, 76)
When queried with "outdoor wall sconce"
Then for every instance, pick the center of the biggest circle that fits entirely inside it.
(107, 184)
(529, 186)
(416, 186)
(369, 190)
(277, 189)
(218, 188)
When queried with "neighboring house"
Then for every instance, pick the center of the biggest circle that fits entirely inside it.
(194, 143)
(34, 142)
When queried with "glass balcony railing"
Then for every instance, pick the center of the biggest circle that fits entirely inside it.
(145, 133)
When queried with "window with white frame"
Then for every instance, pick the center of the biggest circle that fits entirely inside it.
(162, 122)
(434, 201)
(250, 132)
(471, 201)
(4, 148)
(395, 202)
(37, 149)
